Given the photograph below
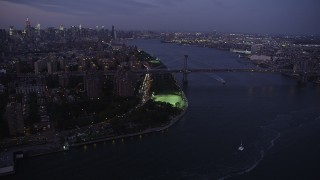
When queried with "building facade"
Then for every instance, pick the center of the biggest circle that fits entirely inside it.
(93, 84)
(14, 118)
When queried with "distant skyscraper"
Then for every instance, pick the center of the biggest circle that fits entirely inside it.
(28, 27)
(62, 31)
(27, 23)
(11, 30)
(61, 28)
(24, 32)
(38, 28)
(113, 33)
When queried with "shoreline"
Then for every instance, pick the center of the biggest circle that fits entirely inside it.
(174, 120)
(147, 131)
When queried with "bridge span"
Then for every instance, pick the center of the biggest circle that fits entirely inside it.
(303, 75)
(216, 70)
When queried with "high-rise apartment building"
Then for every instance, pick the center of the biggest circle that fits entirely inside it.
(14, 118)
(94, 84)
(124, 83)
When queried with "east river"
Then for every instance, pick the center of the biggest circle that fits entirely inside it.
(277, 121)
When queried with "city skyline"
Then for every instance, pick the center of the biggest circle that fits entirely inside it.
(248, 16)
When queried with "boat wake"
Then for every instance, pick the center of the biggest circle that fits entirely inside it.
(272, 132)
(273, 140)
(219, 79)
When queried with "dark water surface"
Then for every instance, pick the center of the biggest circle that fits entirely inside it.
(273, 117)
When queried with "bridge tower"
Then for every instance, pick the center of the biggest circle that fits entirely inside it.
(185, 70)
(303, 78)
(304, 75)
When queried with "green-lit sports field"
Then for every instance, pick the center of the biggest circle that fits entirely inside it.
(175, 100)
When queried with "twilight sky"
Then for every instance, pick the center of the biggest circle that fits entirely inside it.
(252, 16)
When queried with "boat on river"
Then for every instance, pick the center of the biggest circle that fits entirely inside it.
(241, 147)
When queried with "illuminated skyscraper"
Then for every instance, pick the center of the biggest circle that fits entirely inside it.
(61, 31)
(38, 28)
(24, 32)
(28, 27)
(28, 23)
(80, 29)
(61, 28)
(11, 30)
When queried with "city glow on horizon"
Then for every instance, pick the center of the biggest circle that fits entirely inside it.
(286, 17)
